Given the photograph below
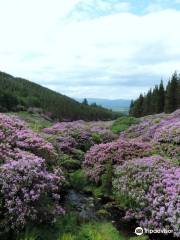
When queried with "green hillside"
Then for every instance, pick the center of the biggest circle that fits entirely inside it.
(17, 94)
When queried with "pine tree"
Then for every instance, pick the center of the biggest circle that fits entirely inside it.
(138, 107)
(85, 102)
(131, 108)
(158, 100)
(154, 100)
(178, 93)
(148, 103)
(161, 98)
(171, 102)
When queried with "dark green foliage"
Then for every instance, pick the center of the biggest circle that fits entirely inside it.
(78, 154)
(137, 108)
(96, 138)
(94, 105)
(158, 100)
(123, 123)
(161, 98)
(172, 92)
(106, 179)
(68, 223)
(154, 102)
(8, 102)
(85, 102)
(131, 107)
(17, 92)
(68, 162)
(147, 106)
(78, 180)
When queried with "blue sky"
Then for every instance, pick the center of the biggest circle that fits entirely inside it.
(91, 48)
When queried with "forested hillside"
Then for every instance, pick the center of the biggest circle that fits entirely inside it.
(158, 100)
(20, 94)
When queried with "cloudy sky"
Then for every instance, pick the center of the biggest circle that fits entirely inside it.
(91, 48)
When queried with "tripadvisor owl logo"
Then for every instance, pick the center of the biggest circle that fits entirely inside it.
(139, 231)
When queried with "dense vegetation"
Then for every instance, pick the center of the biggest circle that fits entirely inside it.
(70, 180)
(86, 180)
(159, 99)
(20, 94)
(123, 123)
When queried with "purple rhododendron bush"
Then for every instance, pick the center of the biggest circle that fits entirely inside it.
(162, 130)
(160, 127)
(81, 135)
(137, 171)
(150, 188)
(15, 136)
(28, 191)
(145, 172)
(115, 153)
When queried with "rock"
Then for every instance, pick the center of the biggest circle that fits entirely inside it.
(83, 204)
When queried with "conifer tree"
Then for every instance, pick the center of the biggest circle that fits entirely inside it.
(85, 102)
(158, 100)
(178, 93)
(161, 98)
(154, 100)
(171, 102)
(131, 107)
(148, 103)
(138, 106)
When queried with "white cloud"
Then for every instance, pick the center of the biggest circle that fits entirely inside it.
(104, 56)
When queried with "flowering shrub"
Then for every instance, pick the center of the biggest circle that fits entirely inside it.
(162, 130)
(115, 152)
(30, 193)
(79, 134)
(146, 186)
(169, 132)
(66, 143)
(149, 189)
(167, 136)
(14, 134)
(143, 131)
(65, 127)
(169, 149)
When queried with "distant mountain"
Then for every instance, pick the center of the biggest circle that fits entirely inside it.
(17, 94)
(116, 104)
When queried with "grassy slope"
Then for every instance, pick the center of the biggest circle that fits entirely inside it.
(122, 123)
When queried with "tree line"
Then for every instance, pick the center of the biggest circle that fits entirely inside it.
(159, 99)
(19, 94)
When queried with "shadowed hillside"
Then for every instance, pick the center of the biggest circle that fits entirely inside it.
(17, 94)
